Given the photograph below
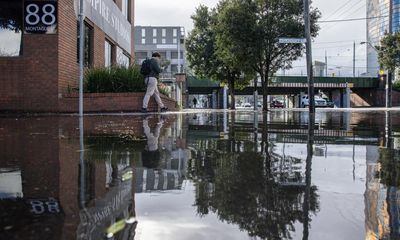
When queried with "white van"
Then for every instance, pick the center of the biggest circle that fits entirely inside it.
(319, 102)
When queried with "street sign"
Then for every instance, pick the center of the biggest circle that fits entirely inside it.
(292, 40)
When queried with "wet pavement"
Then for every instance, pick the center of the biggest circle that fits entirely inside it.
(213, 175)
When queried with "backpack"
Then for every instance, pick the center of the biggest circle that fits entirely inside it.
(145, 69)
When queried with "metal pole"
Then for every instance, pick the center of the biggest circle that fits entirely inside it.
(326, 65)
(81, 57)
(354, 59)
(309, 57)
(389, 75)
(179, 50)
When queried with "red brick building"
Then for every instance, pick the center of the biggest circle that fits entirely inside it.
(39, 48)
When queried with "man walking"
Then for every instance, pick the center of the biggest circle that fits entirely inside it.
(151, 83)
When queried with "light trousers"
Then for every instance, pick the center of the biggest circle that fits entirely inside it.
(152, 90)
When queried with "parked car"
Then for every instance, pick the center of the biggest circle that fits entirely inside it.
(329, 104)
(277, 104)
(247, 105)
(318, 101)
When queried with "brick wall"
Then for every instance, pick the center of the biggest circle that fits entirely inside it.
(48, 68)
(67, 46)
(112, 102)
(29, 82)
(375, 98)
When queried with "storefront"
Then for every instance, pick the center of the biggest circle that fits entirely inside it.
(39, 48)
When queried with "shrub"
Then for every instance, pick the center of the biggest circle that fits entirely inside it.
(113, 79)
(396, 86)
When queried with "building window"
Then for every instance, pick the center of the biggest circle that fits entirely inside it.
(175, 41)
(154, 32)
(174, 55)
(163, 41)
(108, 57)
(143, 40)
(141, 55)
(88, 45)
(174, 68)
(175, 32)
(122, 58)
(154, 40)
(125, 9)
(164, 32)
(163, 55)
(143, 32)
(11, 28)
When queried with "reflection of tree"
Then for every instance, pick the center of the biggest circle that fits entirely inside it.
(241, 190)
(390, 167)
(11, 15)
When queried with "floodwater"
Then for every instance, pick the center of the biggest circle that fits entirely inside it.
(213, 175)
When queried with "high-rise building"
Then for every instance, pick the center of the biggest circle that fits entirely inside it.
(377, 26)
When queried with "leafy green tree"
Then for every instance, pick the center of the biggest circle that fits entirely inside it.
(204, 57)
(250, 31)
(389, 52)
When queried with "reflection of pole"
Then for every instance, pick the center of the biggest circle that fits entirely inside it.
(82, 164)
(388, 129)
(306, 203)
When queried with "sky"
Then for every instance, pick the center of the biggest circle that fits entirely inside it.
(334, 38)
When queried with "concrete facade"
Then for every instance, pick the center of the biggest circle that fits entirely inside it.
(165, 40)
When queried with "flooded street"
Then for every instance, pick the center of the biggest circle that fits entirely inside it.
(214, 175)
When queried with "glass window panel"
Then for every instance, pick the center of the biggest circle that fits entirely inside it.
(10, 28)
(141, 55)
(88, 45)
(122, 58)
(125, 8)
(107, 54)
(154, 32)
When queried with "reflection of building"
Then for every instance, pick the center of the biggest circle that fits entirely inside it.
(377, 26)
(52, 197)
(38, 69)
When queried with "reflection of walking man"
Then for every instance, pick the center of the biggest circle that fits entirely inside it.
(152, 138)
(194, 102)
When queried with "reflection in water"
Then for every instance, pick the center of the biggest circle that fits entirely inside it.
(277, 179)
(11, 27)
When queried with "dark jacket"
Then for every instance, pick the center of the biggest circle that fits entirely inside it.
(155, 69)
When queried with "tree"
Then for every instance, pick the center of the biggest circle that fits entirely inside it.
(205, 59)
(250, 30)
(389, 52)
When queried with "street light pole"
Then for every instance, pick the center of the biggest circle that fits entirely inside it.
(309, 57)
(81, 57)
(389, 75)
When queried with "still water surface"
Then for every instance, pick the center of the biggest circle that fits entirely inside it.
(199, 176)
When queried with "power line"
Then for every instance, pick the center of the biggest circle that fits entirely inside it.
(342, 41)
(351, 19)
(340, 8)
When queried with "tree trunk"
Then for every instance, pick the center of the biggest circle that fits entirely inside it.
(264, 81)
(231, 85)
